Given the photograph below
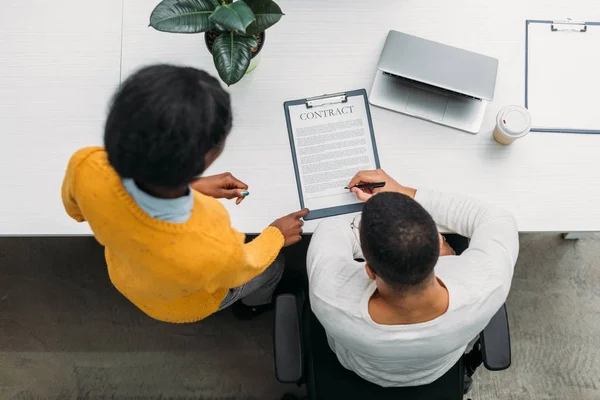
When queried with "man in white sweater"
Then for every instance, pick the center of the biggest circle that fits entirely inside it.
(406, 315)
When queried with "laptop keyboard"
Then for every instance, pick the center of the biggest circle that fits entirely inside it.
(431, 88)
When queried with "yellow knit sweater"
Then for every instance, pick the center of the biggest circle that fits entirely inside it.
(174, 272)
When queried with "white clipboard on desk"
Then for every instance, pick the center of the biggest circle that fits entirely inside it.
(562, 75)
(331, 138)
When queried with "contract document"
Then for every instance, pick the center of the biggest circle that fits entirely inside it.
(331, 139)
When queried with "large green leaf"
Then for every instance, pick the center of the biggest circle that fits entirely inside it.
(252, 42)
(235, 16)
(267, 14)
(232, 55)
(183, 16)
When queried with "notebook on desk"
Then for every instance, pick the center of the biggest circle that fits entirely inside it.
(562, 76)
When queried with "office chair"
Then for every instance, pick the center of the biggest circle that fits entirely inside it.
(303, 356)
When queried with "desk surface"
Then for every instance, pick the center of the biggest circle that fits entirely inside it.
(58, 70)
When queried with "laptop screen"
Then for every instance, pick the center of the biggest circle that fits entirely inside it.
(439, 65)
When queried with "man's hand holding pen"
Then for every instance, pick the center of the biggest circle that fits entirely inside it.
(368, 183)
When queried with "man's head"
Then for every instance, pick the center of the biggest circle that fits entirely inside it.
(399, 240)
(166, 125)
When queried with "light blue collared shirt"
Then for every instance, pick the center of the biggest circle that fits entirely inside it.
(170, 210)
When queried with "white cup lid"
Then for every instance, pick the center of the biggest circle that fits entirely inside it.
(515, 120)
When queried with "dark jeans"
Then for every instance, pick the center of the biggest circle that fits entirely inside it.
(257, 291)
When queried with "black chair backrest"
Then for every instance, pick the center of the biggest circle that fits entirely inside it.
(328, 380)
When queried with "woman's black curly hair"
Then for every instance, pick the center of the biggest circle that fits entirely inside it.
(162, 122)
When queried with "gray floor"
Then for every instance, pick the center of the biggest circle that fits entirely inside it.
(65, 333)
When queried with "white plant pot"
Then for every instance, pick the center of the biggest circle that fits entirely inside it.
(254, 62)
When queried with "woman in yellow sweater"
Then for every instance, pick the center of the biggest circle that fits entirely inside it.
(169, 245)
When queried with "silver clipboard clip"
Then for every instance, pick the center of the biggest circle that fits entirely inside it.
(568, 25)
(326, 99)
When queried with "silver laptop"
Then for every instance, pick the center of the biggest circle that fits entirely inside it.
(433, 81)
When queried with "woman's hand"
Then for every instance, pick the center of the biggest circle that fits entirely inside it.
(373, 176)
(290, 226)
(222, 186)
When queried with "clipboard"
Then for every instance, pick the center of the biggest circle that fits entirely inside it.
(318, 106)
(562, 75)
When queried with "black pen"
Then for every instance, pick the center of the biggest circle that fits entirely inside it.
(371, 185)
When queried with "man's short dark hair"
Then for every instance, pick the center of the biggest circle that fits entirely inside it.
(399, 239)
(162, 122)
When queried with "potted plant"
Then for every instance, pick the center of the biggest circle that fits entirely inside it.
(234, 30)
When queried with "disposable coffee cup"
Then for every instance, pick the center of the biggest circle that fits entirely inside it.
(512, 123)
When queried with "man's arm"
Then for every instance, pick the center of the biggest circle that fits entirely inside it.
(493, 231)
(333, 241)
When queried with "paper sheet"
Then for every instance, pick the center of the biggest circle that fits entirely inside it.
(563, 77)
(332, 143)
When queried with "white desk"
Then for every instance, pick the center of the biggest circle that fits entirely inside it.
(549, 181)
(59, 64)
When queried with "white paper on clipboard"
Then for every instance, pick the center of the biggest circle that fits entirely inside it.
(331, 138)
(563, 76)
